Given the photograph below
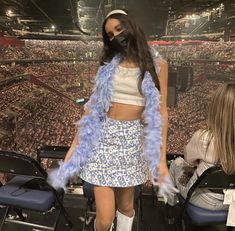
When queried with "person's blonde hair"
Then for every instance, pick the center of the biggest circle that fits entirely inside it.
(221, 125)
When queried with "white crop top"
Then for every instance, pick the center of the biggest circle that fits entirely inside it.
(125, 86)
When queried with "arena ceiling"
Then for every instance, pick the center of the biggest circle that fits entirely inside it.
(85, 16)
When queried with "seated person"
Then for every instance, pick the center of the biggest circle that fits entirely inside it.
(213, 146)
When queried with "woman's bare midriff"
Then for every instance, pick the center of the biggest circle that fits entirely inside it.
(120, 111)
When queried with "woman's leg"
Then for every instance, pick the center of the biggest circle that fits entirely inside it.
(105, 207)
(125, 208)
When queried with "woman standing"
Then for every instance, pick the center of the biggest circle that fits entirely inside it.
(123, 131)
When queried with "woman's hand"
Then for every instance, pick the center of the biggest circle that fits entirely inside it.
(162, 172)
(166, 186)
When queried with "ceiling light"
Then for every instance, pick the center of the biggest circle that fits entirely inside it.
(9, 13)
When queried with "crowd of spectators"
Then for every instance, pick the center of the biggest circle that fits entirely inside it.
(184, 26)
(51, 49)
(206, 57)
(59, 75)
(36, 116)
(198, 24)
(218, 51)
(190, 113)
(48, 68)
(209, 58)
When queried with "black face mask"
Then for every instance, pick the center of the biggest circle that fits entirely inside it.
(119, 42)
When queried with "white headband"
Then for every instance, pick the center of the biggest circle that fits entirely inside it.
(116, 12)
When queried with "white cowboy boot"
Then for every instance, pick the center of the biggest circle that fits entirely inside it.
(124, 223)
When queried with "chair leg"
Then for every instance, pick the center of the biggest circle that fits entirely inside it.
(20, 214)
(85, 217)
(183, 225)
(141, 208)
(62, 209)
(139, 215)
(229, 228)
(56, 220)
(4, 218)
(170, 216)
(65, 214)
(94, 225)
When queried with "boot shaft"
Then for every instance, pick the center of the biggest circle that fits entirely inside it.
(124, 223)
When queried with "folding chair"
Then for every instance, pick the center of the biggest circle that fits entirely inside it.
(28, 190)
(51, 152)
(88, 190)
(57, 153)
(214, 178)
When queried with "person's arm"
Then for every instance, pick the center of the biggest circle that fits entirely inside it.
(163, 81)
(75, 141)
(194, 149)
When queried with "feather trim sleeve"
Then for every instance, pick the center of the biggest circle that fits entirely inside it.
(153, 128)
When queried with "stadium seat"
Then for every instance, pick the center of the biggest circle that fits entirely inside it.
(214, 178)
(28, 190)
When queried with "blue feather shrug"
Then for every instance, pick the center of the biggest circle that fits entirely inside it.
(89, 125)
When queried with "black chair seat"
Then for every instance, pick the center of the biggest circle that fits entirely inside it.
(212, 178)
(14, 193)
(29, 190)
(201, 216)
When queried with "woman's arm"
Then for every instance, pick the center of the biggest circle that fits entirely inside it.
(195, 150)
(75, 140)
(163, 81)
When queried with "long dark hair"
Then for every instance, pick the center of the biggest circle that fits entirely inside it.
(138, 49)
